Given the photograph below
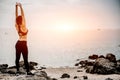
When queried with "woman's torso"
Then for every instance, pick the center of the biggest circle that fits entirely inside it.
(22, 32)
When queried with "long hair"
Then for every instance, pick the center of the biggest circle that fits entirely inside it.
(19, 20)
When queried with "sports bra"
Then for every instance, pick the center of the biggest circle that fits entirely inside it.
(21, 33)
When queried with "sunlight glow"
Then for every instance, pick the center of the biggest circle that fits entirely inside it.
(65, 27)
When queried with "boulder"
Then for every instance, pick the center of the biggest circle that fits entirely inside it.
(12, 67)
(111, 57)
(3, 66)
(104, 66)
(90, 63)
(79, 71)
(89, 69)
(3, 71)
(43, 67)
(118, 66)
(31, 64)
(21, 63)
(93, 57)
(77, 64)
(85, 77)
(13, 70)
(54, 79)
(39, 73)
(83, 63)
(65, 75)
(42, 74)
(86, 63)
(108, 79)
(75, 77)
(101, 56)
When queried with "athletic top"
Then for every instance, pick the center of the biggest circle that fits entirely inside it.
(21, 33)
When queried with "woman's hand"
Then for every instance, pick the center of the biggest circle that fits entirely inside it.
(18, 4)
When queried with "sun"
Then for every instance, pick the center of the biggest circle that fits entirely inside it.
(64, 27)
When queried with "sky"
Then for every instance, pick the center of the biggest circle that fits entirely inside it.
(56, 29)
(63, 14)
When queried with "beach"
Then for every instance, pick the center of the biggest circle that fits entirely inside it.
(57, 73)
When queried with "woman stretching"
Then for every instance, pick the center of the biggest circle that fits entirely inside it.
(21, 45)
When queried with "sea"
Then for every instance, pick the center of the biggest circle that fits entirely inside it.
(53, 48)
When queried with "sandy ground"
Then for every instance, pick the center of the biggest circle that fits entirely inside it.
(57, 73)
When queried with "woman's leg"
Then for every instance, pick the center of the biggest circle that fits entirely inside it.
(25, 56)
(18, 53)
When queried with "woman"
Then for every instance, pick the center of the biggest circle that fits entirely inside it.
(21, 45)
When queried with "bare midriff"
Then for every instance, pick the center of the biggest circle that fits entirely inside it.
(23, 38)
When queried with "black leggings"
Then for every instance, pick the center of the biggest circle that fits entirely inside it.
(21, 47)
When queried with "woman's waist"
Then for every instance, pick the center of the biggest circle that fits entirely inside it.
(22, 38)
(22, 42)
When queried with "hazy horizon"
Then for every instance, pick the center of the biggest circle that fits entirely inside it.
(55, 49)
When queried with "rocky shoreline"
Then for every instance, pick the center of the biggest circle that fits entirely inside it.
(100, 64)
(37, 74)
(93, 68)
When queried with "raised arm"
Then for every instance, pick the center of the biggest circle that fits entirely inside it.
(22, 13)
(21, 9)
(16, 10)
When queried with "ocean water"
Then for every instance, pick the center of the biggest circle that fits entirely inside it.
(54, 48)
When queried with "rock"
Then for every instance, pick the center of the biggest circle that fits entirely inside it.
(12, 67)
(111, 57)
(3, 66)
(79, 71)
(118, 65)
(43, 68)
(75, 77)
(90, 63)
(119, 45)
(77, 59)
(3, 71)
(104, 66)
(86, 63)
(93, 57)
(89, 69)
(31, 64)
(101, 64)
(2, 78)
(39, 73)
(101, 56)
(21, 63)
(54, 79)
(65, 75)
(108, 79)
(85, 77)
(11, 71)
(83, 63)
(77, 64)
